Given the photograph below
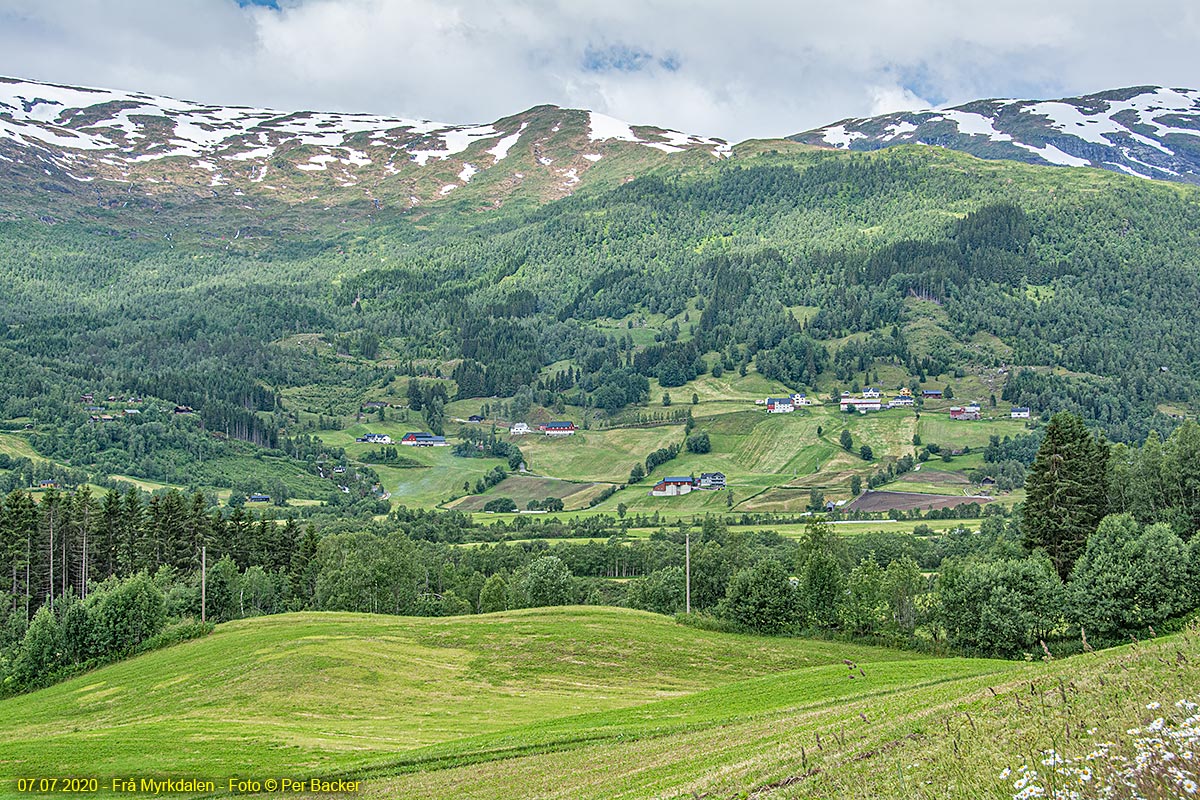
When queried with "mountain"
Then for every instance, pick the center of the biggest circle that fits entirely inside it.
(83, 142)
(1147, 131)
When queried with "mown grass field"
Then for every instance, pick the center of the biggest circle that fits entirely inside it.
(322, 692)
(584, 703)
(17, 446)
(920, 729)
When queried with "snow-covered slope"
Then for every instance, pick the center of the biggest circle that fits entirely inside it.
(1148, 131)
(78, 135)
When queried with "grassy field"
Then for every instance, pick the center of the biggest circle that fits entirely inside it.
(921, 729)
(544, 703)
(17, 446)
(319, 693)
(523, 488)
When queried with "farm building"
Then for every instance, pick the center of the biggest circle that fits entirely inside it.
(672, 487)
(712, 480)
(422, 439)
(861, 404)
(1020, 412)
(558, 428)
(780, 405)
(871, 393)
(47, 484)
(375, 438)
(931, 394)
(973, 407)
(519, 429)
(258, 498)
(184, 410)
(958, 412)
(475, 418)
(901, 401)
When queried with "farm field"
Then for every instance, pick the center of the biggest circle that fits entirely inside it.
(320, 693)
(17, 446)
(523, 488)
(957, 728)
(903, 501)
(533, 704)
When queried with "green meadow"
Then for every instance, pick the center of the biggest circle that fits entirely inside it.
(584, 703)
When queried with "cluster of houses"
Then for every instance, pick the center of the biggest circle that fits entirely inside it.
(548, 428)
(872, 400)
(376, 438)
(784, 405)
(673, 487)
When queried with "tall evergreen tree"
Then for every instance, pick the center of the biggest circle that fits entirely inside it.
(1067, 491)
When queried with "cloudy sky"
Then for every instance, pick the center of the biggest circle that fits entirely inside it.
(734, 69)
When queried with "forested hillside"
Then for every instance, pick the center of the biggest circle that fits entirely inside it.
(914, 257)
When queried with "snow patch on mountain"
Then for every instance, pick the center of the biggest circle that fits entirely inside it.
(1136, 131)
(505, 144)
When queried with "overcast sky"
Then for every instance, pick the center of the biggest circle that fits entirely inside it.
(740, 69)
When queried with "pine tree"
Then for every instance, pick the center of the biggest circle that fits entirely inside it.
(1067, 493)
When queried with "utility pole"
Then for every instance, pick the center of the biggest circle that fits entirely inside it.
(203, 583)
(687, 561)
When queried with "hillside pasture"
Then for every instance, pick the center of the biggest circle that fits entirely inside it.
(319, 693)
(523, 488)
(904, 501)
(954, 729)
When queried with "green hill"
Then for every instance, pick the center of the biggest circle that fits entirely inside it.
(317, 693)
(579, 703)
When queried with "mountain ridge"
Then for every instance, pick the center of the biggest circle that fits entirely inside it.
(1145, 131)
(80, 135)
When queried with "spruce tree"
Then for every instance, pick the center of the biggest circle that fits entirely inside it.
(1067, 493)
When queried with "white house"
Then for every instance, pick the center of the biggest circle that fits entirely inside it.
(800, 400)
(519, 429)
(1020, 412)
(376, 438)
(871, 393)
(901, 401)
(712, 480)
(780, 405)
(861, 404)
(672, 487)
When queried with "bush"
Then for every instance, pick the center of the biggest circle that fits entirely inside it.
(1129, 578)
(1000, 608)
(761, 598)
(699, 443)
(127, 615)
(662, 591)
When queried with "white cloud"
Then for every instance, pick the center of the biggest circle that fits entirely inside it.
(754, 68)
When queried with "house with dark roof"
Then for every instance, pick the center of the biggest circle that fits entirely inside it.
(558, 428)
(711, 480)
(422, 439)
